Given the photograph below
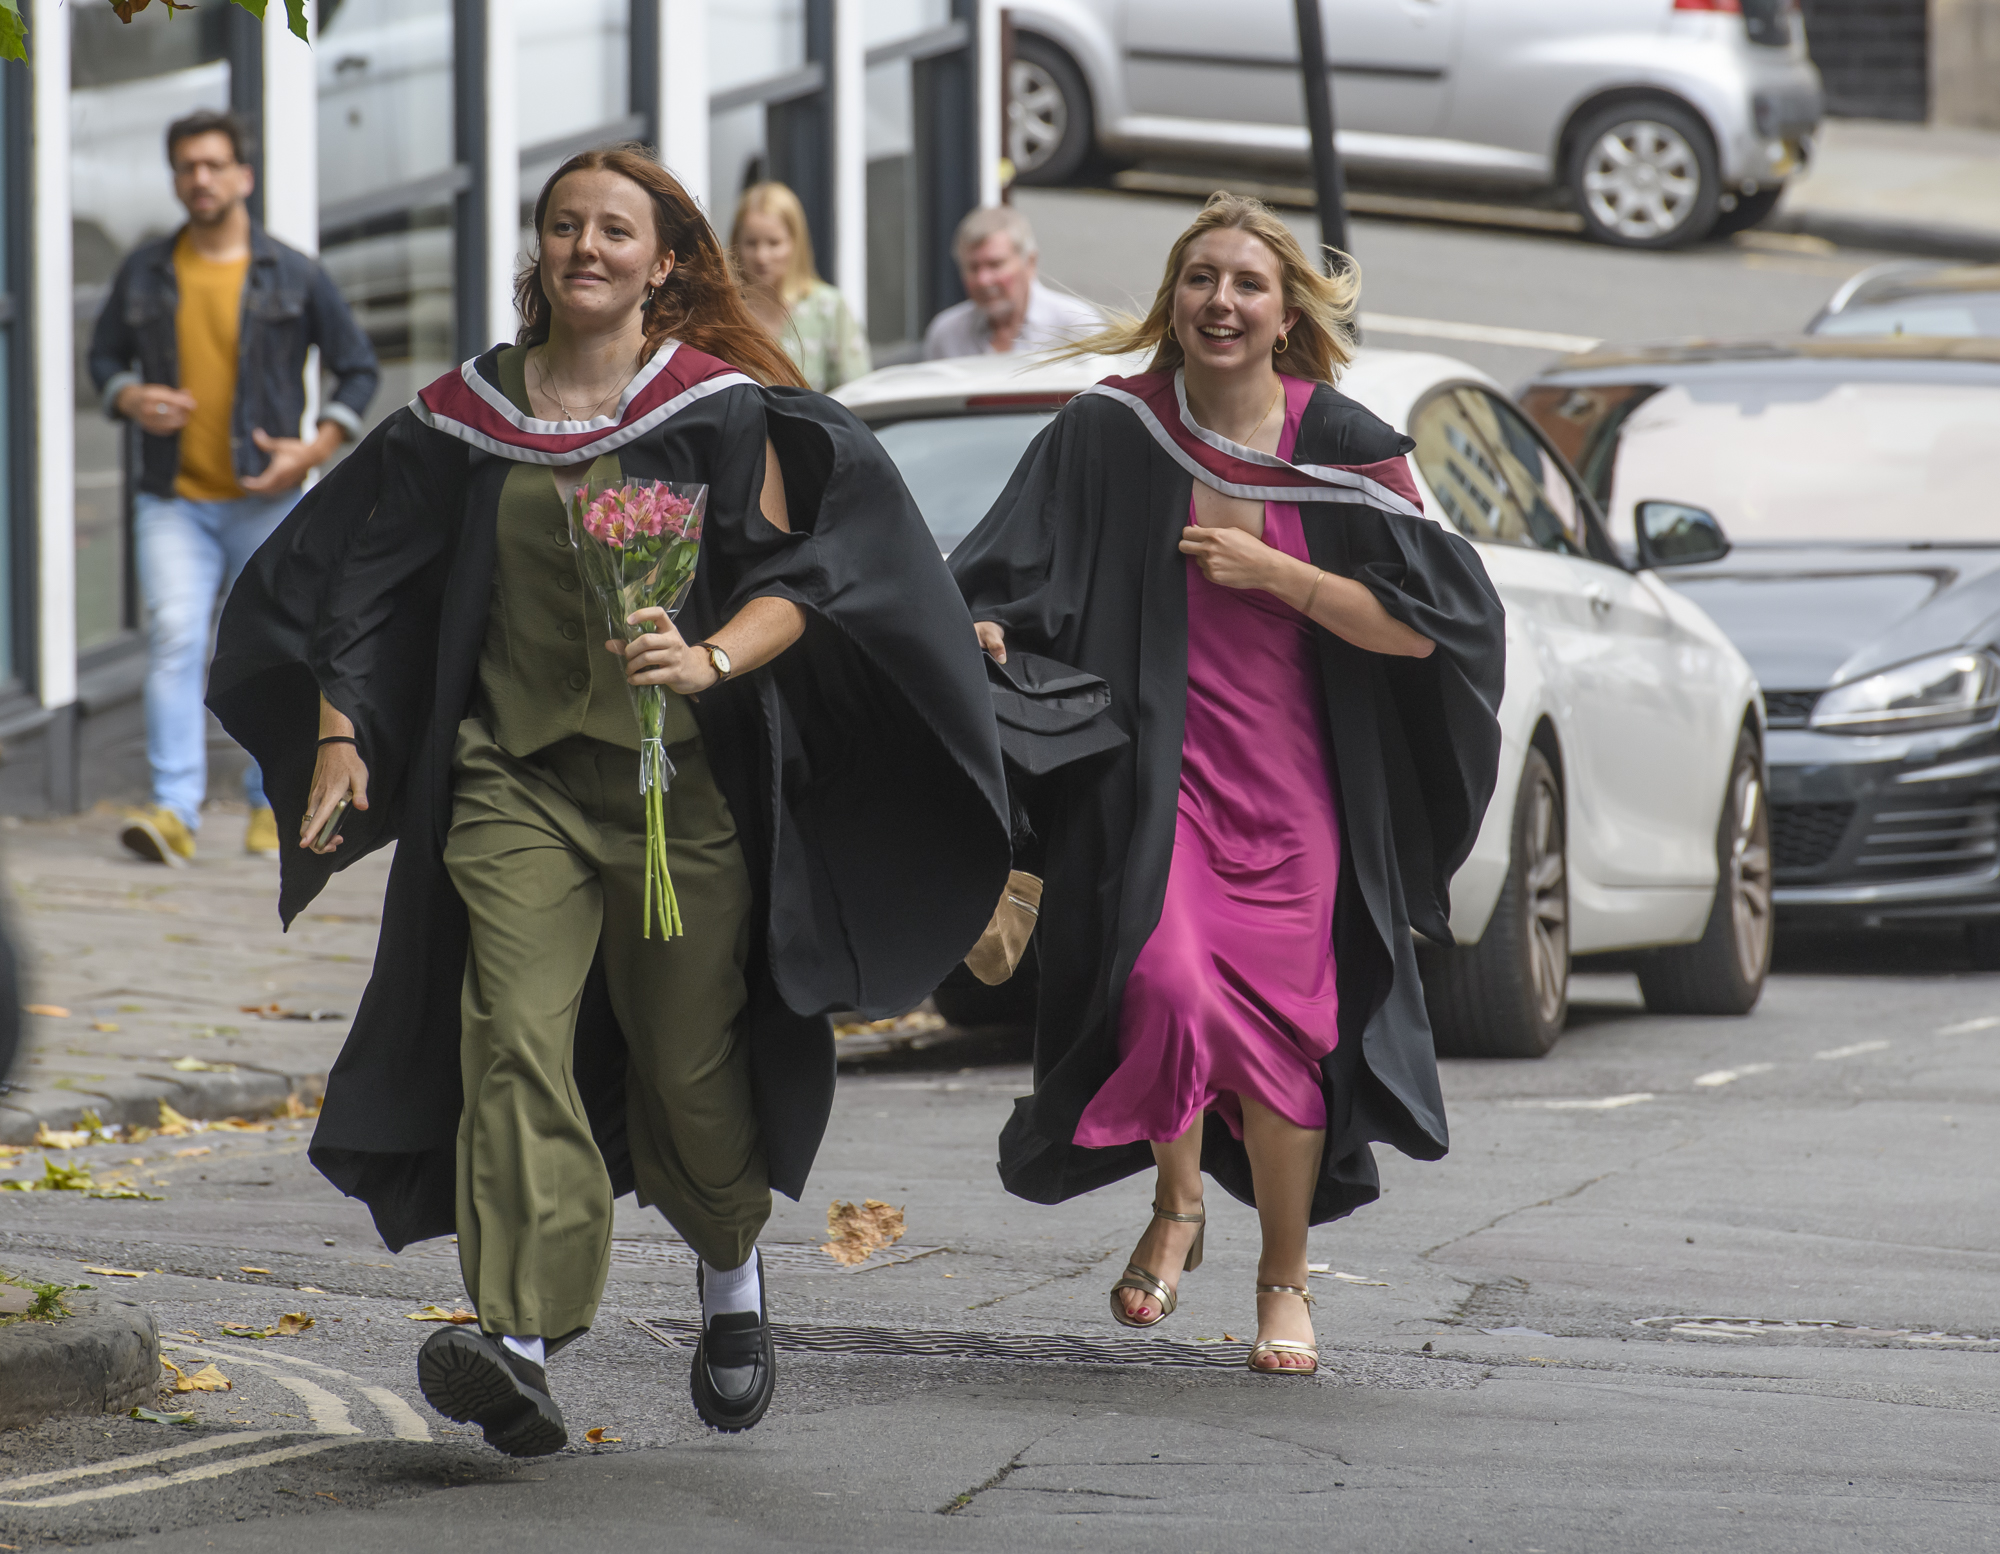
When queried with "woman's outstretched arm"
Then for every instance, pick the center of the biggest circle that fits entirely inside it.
(1235, 558)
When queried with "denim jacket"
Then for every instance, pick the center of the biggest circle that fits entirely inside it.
(289, 304)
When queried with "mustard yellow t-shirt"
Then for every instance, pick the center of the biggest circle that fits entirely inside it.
(205, 327)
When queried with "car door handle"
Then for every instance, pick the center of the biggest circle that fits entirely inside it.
(1600, 601)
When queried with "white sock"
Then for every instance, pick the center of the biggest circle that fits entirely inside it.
(530, 1349)
(738, 1289)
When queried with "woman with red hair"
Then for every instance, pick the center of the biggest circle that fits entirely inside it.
(414, 643)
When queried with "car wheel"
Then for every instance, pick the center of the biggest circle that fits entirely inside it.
(1723, 971)
(1643, 175)
(1049, 130)
(1748, 211)
(1508, 995)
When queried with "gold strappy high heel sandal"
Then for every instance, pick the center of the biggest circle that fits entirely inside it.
(1148, 1283)
(1283, 1345)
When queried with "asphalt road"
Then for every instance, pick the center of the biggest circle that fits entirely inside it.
(1562, 1337)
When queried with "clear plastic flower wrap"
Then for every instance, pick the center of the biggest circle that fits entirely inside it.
(637, 542)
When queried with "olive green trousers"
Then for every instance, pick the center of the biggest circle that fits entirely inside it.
(548, 854)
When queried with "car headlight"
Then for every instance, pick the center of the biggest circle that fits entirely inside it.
(1945, 690)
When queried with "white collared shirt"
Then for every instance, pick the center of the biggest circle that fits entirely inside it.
(1053, 319)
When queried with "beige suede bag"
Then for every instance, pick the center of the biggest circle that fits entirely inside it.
(1001, 947)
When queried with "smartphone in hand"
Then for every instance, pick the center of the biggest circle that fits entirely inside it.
(331, 829)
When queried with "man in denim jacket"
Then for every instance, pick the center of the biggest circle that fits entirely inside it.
(202, 344)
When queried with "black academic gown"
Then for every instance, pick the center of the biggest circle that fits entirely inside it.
(862, 767)
(1079, 560)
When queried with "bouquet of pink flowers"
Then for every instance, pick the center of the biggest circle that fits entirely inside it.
(637, 543)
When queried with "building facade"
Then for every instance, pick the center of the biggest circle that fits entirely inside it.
(405, 147)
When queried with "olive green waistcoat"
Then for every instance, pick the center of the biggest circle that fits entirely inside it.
(543, 672)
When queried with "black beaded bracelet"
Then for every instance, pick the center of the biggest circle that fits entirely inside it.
(341, 739)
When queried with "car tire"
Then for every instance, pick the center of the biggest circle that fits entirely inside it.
(1508, 995)
(1723, 971)
(1643, 175)
(1748, 211)
(1050, 127)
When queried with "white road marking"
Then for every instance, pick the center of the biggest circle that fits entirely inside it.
(1729, 1076)
(1605, 1104)
(146, 1486)
(324, 1409)
(142, 1459)
(1985, 1022)
(1482, 334)
(1853, 1051)
(405, 1423)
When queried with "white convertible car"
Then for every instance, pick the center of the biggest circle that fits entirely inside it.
(1629, 821)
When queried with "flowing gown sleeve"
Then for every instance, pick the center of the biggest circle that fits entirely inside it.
(343, 601)
(890, 835)
(1442, 770)
(1027, 565)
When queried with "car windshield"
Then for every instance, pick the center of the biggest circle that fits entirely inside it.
(1792, 461)
(955, 465)
(1965, 315)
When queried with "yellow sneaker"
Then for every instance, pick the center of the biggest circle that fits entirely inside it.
(261, 840)
(158, 835)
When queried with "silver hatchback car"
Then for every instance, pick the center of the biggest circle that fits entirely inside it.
(1664, 120)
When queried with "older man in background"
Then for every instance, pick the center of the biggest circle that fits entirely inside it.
(1007, 310)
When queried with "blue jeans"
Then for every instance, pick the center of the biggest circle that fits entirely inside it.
(189, 555)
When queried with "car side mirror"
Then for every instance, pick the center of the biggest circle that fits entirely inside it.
(1673, 534)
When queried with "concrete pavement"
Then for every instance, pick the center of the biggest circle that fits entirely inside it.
(1910, 188)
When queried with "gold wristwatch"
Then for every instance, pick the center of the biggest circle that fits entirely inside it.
(718, 660)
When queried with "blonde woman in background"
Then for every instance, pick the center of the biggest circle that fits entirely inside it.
(804, 314)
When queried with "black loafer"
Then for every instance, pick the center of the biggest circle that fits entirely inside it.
(735, 1365)
(474, 1378)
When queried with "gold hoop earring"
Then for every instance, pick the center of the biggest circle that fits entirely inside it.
(1172, 336)
(1283, 345)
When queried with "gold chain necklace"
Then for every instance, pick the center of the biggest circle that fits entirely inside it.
(549, 388)
(1245, 441)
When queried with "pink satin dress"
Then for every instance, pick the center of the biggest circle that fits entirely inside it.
(1233, 994)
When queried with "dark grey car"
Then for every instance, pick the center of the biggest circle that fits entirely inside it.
(1858, 484)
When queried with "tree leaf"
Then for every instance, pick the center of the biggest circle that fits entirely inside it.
(148, 1414)
(295, 12)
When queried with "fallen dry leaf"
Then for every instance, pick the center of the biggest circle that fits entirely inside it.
(116, 1273)
(237, 1125)
(434, 1313)
(152, 1417)
(104, 1025)
(597, 1437)
(310, 1289)
(199, 1149)
(196, 1066)
(858, 1233)
(207, 1379)
(172, 1123)
(246, 1268)
(49, 1011)
(60, 1138)
(292, 1323)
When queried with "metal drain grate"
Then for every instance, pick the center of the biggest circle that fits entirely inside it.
(1032, 1348)
(1766, 1327)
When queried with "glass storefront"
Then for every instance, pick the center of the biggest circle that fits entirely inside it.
(748, 41)
(386, 157)
(127, 85)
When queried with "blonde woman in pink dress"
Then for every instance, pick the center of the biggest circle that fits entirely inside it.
(1309, 670)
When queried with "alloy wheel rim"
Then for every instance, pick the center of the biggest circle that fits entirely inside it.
(1641, 179)
(1548, 901)
(1037, 116)
(1750, 874)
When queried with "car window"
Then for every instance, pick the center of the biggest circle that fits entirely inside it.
(1966, 315)
(956, 465)
(1491, 475)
